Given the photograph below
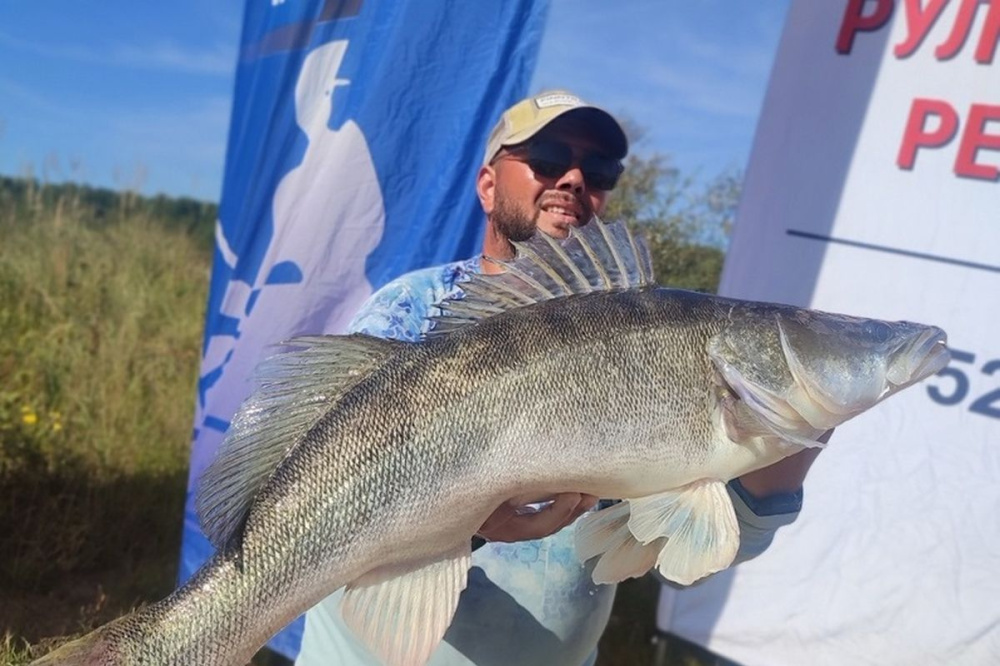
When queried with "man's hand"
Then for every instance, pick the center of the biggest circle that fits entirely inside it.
(510, 523)
(784, 476)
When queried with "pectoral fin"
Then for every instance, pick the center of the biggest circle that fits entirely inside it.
(605, 533)
(700, 527)
(744, 422)
(401, 612)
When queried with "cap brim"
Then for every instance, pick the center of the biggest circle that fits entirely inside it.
(605, 127)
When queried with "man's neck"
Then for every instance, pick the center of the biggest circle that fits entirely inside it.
(496, 247)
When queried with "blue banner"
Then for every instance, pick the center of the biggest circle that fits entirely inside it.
(357, 130)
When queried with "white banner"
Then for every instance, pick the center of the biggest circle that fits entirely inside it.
(873, 190)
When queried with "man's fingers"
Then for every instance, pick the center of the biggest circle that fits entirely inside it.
(504, 513)
(587, 502)
(561, 512)
(507, 525)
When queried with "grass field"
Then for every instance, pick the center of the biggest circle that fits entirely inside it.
(101, 312)
(101, 307)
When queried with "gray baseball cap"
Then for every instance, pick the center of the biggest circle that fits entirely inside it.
(529, 116)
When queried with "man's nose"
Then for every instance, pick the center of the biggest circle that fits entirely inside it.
(572, 180)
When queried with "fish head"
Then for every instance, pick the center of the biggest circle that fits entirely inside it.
(804, 371)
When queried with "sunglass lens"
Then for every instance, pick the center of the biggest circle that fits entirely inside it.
(601, 172)
(550, 159)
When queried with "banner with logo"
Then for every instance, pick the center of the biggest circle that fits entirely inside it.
(357, 130)
(873, 190)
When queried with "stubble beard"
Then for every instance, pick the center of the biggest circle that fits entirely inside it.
(511, 222)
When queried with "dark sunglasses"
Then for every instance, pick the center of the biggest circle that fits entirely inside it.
(552, 159)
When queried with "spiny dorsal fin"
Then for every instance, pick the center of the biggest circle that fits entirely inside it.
(295, 388)
(597, 257)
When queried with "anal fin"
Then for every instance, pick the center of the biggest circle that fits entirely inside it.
(402, 612)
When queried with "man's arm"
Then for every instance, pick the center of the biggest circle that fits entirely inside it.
(768, 499)
(784, 476)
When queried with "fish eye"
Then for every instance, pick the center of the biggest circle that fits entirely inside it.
(878, 331)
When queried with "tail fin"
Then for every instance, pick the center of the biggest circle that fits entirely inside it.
(93, 649)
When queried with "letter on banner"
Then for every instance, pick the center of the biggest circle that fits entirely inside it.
(926, 112)
(856, 20)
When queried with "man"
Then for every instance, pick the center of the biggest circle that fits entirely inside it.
(550, 164)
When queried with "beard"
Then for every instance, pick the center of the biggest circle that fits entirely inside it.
(512, 222)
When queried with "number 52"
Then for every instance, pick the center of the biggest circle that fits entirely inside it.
(987, 405)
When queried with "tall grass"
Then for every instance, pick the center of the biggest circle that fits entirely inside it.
(101, 322)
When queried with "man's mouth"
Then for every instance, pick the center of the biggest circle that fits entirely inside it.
(566, 212)
(562, 212)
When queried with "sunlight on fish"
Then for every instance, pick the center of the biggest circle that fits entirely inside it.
(369, 464)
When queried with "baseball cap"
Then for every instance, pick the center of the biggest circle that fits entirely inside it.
(529, 116)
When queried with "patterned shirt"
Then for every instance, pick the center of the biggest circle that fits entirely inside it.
(527, 603)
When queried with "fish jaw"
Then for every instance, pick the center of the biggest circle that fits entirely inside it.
(926, 355)
(823, 369)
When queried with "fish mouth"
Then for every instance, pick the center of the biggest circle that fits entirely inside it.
(923, 357)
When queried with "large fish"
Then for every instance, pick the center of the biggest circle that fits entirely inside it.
(370, 464)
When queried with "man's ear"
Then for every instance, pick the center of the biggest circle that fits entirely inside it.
(486, 183)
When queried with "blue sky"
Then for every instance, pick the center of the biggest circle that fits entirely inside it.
(137, 94)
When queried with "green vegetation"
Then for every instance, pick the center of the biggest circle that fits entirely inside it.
(686, 224)
(14, 651)
(96, 207)
(101, 308)
(102, 299)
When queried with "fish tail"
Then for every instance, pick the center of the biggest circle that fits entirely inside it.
(93, 649)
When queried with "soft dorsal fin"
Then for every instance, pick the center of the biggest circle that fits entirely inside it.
(597, 257)
(294, 389)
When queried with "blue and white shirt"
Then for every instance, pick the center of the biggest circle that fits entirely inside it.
(527, 603)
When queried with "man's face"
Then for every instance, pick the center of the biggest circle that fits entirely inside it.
(523, 200)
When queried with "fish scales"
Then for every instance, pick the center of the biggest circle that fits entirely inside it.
(453, 405)
(619, 389)
(374, 466)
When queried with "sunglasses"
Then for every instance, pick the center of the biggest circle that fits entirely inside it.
(552, 159)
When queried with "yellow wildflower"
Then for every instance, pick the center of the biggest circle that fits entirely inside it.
(28, 416)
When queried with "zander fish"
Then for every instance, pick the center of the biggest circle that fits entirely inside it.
(369, 464)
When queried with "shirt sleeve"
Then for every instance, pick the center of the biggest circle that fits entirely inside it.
(391, 312)
(403, 309)
(760, 517)
(400, 309)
